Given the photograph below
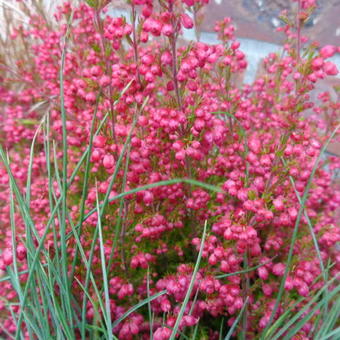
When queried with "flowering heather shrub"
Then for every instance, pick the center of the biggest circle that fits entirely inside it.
(144, 107)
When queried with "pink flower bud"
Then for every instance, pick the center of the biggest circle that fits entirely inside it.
(99, 141)
(263, 273)
(21, 252)
(166, 58)
(251, 233)
(317, 63)
(155, 27)
(147, 11)
(134, 262)
(212, 260)
(296, 75)
(147, 59)
(144, 37)
(189, 320)
(108, 161)
(7, 257)
(330, 68)
(90, 97)
(235, 45)
(255, 144)
(95, 156)
(90, 313)
(95, 70)
(148, 197)
(162, 333)
(267, 290)
(238, 303)
(104, 81)
(278, 269)
(165, 305)
(264, 321)
(189, 2)
(278, 204)
(292, 211)
(134, 329)
(167, 30)
(228, 234)
(328, 51)
(186, 21)
(192, 86)
(180, 155)
(303, 290)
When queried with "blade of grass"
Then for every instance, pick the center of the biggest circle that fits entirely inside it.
(245, 291)
(15, 278)
(78, 245)
(86, 181)
(311, 230)
(88, 264)
(192, 305)
(295, 231)
(62, 223)
(89, 273)
(309, 222)
(283, 317)
(181, 333)
(28, 319)
(43, 315)
(14, 242)
(60, 312)
(51, 192)
(149, 304)
(298, 325)
(5, 331)
(293, 320)
(328, 324)
(48, 294)
(7, 278)
(232, 328)
(105, 280)
(194, 334)
(154, 185)
(41, 276)
(35, 252)
(30, 163)
(87, 156)
(22, 203)
(28, 233)
(26, 216)
(126, 149)
(245, 270)
(27, 219)
(102, 208)
(191, 286)
(102, 307)
(137, 306)
(221, 330)
(101, 212)
(64, 285)
(332, 335)
(39, 322)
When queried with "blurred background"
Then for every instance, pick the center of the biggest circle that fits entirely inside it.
(256, 22)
